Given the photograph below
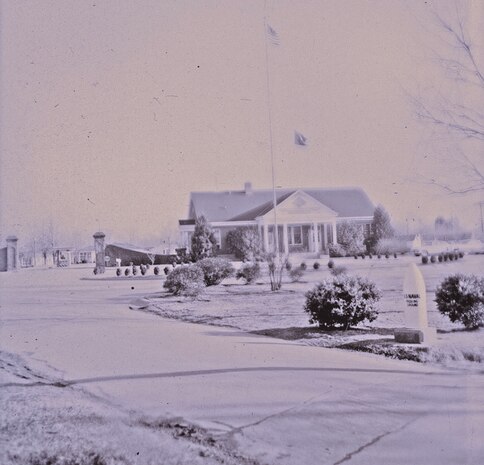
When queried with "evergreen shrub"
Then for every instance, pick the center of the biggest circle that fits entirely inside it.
(296, 274)
(250, 272)
(187, 280)
(461, 298)
(215, 270)
(342, 301)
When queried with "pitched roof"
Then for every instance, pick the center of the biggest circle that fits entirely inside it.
(240, 206)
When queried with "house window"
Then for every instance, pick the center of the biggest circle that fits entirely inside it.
(85, 257)
(295, 235)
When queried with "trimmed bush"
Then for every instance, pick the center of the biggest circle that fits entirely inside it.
(118, 272)
(185, 280)
(288, 266)
(142, 269)
(342, 301)
(370, 256)
(379, 256)
(461, 298)
(387, 255)
(433, 259)
(461, 254)
(440, 258)
(250, 272)
(156, 270)
(425, 259)
(135, 271)
(336, 250)
(356, 257)
(166, 270)
(362, 256)
(316, 265)
(338, 270)
(296, 274)
(331, 264)
(303, 266)
(395, 255)
(126, 272)
(245, 243)
(446, 257)
(215, 270)
(95, 271)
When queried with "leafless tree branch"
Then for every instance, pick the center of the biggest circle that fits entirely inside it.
(458, 114)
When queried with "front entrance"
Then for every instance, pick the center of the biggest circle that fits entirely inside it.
(301, 238)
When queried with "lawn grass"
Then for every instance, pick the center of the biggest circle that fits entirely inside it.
(41, 424)
(280, 314)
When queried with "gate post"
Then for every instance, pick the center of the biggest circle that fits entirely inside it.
(12, 256)
(99, 250)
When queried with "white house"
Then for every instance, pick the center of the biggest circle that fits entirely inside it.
(307, 219)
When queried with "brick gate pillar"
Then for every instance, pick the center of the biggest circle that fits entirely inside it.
(99, 250)
(12, 255)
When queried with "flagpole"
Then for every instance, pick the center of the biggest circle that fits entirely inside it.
(274, 200)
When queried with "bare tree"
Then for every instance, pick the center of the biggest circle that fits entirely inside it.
(151, 255)
(460, 113)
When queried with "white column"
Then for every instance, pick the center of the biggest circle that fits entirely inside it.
(335, 237)
(316, 241)
(324, 234)
(285, 238)
(266, 238)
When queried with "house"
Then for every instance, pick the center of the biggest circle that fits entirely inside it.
(85, 255)
(307, 219)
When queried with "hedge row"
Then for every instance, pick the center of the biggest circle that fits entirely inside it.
(443, 257)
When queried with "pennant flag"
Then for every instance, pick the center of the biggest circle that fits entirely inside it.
(300, 139)
(272, 35)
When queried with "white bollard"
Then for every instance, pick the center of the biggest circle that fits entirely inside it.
(416, 329)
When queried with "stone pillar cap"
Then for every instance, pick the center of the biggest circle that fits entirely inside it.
(11, 238)
(99, 234)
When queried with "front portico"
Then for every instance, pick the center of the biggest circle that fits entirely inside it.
(303, 225)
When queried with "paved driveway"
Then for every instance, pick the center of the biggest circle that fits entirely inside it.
(275, 401)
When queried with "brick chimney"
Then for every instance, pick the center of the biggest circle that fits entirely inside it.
(248, 188)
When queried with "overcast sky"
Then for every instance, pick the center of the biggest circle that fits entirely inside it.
(112, 111)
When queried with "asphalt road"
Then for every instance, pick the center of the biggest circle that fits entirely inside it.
(275, 401)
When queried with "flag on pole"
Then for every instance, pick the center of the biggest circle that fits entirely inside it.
(272, 35)
(300, 139)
